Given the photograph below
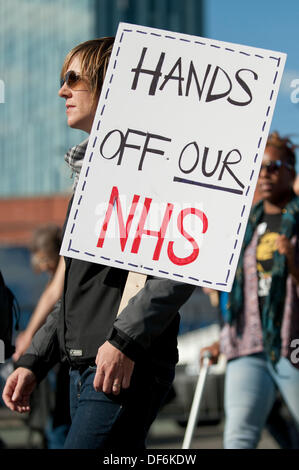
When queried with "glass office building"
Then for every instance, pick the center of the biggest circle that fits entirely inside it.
(35, 36)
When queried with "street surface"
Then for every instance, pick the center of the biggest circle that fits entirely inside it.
(165, 434)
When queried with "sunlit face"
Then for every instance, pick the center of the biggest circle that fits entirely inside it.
(275, 186)
(80, 107)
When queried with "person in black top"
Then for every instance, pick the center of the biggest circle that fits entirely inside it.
(120, 368)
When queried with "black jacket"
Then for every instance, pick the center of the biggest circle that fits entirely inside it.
(146, 330)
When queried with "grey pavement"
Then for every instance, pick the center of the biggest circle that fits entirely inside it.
(165, 433)
(168, 434)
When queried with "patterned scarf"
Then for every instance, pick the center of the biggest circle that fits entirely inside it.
(74, 159)
(272, 313)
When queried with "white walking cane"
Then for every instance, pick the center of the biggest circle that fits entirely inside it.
(193, 417)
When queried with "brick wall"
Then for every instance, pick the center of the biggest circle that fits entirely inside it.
(20, 216)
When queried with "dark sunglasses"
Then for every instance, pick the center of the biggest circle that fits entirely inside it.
(72, 79)
(274, 166)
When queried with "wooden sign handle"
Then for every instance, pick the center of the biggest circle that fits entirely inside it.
(134, 284)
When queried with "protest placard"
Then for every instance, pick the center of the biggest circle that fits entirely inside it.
(173, 156)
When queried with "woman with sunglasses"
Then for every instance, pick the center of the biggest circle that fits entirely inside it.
(120, 369)
(260, 336)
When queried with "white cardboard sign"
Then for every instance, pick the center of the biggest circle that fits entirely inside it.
(174, 155)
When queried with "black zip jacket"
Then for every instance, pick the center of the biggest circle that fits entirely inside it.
(146, 330)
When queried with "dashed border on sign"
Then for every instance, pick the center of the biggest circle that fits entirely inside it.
(260, 140)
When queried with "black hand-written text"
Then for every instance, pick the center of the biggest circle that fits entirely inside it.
(187, 76)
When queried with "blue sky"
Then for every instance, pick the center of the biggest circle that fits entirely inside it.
(269, 25)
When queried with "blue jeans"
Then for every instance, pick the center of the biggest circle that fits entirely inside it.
(106, 421)
(250, 390)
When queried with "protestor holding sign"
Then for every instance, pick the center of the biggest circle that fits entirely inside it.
(261, 325)
(113, 403)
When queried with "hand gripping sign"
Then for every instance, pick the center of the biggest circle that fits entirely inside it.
(174, 155)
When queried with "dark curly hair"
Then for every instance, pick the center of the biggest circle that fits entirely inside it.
(285, 145)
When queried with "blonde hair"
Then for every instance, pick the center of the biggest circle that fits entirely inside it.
(94, 55)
